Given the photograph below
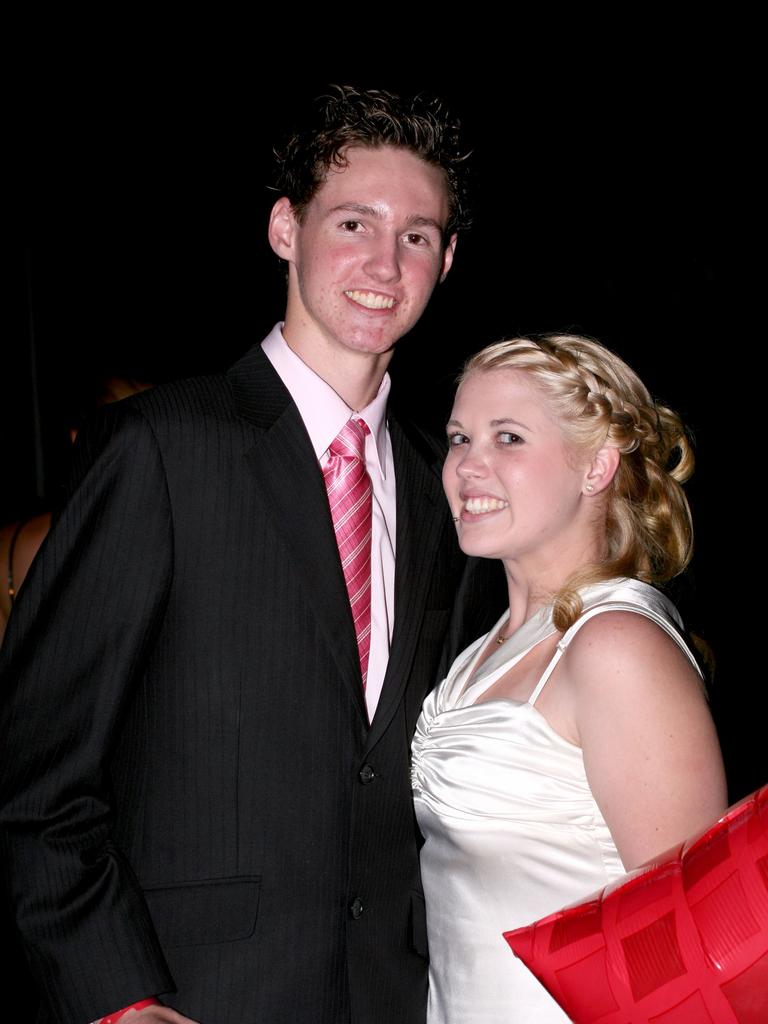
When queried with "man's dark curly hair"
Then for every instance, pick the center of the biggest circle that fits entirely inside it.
(350, 117)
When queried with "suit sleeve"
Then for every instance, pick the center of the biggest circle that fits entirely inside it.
(82, 625)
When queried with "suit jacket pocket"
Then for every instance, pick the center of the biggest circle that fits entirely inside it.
(201, 913)
(419, 925)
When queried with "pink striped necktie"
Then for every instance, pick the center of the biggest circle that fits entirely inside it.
(350, 497)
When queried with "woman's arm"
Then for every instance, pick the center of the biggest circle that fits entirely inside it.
(651, 751)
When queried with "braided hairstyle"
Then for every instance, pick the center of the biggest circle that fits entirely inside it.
(600, 401)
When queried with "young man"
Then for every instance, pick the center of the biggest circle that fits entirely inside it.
(207, 715)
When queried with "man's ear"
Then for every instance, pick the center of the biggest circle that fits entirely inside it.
(602, 469)
(282, 228)
(448, 252)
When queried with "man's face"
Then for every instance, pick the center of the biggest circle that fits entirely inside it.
(366, 256)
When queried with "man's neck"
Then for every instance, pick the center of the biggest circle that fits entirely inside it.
(355, 376)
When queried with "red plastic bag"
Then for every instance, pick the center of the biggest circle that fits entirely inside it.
(681, 940)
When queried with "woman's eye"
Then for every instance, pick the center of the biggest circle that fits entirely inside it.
(507, 437)
(456, 439)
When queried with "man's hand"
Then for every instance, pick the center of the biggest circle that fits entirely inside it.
(156, 1015)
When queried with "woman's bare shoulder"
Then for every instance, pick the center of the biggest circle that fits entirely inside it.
(630, 646)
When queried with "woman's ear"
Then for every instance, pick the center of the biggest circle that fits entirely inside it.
(602, 470)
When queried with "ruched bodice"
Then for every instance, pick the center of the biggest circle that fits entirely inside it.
(512, 829)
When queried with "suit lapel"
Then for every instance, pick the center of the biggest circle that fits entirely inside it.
(421, 516)
(287, 474)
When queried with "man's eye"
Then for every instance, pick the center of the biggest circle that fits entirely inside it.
(507, 437)
(352, 225)
(456, 439)
(413, 238)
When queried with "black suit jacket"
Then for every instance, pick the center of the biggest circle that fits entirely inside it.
(192, 799)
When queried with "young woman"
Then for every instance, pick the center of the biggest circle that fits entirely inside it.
(573, 742)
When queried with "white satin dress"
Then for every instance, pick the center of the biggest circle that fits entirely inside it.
(512, 830)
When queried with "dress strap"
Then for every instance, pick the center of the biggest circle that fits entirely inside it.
(660, 619)
(548, 671)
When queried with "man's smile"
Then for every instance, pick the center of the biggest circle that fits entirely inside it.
(371, 300)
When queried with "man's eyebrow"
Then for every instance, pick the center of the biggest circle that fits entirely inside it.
(367, 211)
(417, 221)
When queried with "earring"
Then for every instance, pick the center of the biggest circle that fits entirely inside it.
(589, 488)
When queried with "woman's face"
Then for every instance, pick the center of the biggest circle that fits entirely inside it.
(517, 488)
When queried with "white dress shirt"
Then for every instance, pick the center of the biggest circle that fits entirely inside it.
(324, 414)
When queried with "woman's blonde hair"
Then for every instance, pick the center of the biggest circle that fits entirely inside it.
(600, 401)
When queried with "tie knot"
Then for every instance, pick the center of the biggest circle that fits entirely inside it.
(350, 440)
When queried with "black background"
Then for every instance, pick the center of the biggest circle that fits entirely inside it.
(612, 196)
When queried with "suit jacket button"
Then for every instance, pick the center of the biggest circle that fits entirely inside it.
(366, 774)
(356, 907)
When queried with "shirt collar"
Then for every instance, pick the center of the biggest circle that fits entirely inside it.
(323, 411)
